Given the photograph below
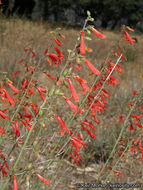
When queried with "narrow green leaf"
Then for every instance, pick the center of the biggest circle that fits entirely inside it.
(78, 38)
(88, 31)
(88, 38)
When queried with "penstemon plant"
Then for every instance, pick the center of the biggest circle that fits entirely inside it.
(31, 112)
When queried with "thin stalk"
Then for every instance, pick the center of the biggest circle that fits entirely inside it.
(117, 141)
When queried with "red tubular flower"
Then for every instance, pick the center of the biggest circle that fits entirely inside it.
(27, 115)
(2, 131)
(103, 99)
(134, 93)
(73, 92)
(62, 36)
(34, 107)
(78, 143)
(51, 63)
(89, 124)
(89, 132)
(88, 49)
(14, 74)
(54, 58)
(128, 38)
(3, 115)
(139, 125)
(83, 84)
(113, 81)
(97, 33)
(59, 81)
(78, 156)
(91, 67)
(111, 65)
(30, 92)
(15, 186)
(116, 172)
(131, 127)
(141, 149)
(14, 88)
(9, 98)
(63, 125)
(131, 29)
(82, 46)
(41, 93)
(120, 118)
(19, 62)
(3, 171)
(46, 51)
(60, 55)
(75, 108)
(25, 83)
(27, 124)
(43, 179)
(75, 160)
(78, 67)
(16, 128)
(105, 93)
(34, 55)
(58, 42)
(93, 115)
(137, 117)
(133, 149)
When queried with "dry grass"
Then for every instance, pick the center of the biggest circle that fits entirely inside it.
(15, 35)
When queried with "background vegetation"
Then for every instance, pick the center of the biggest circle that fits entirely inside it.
(108, 13)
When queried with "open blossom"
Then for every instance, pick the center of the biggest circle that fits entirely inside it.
(111, 66)
(89, 124)
(82, 46)
(78, 143)
(54, 58)
(75, 160)
(73, 92)
(15, 186)
(91, 67)
(34, 107)
(9, 98)
(16, 128)
(2, 131)
(89, 132)
(63, 125)
(41, 90)
(3, 115)
(19, 62)
(43, 179)
(60, 55)
(50, 76)
(25, 84)
(74, 107)
(58, 42)
(14, 74)
(116, 172)
(5, 164)
(128, 38)
(46, 51)
(14, 88)
(97, 33)
(83, 83)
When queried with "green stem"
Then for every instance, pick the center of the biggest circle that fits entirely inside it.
(117, 141)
